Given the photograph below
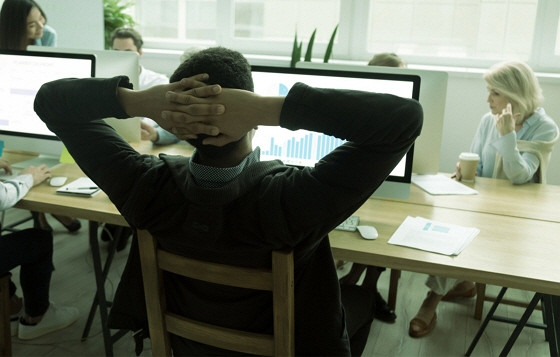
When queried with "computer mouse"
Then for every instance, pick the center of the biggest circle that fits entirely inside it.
(368, 232)
(57, 180)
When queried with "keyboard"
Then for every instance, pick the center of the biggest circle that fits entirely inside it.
(4, 176)
(350, 224)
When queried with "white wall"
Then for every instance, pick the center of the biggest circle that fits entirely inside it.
(78, 23)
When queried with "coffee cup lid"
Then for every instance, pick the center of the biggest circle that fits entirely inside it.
(469, 156)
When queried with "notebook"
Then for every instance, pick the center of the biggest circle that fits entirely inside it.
(82, 186)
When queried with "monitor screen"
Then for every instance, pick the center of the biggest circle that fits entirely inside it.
(433, 94)
(23, 73)
(306, 148)
(109, 63)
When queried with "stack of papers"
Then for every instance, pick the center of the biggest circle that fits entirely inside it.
(83, 186)
(441, 185)
(432, 236)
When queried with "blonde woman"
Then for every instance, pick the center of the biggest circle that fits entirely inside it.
(514, 141)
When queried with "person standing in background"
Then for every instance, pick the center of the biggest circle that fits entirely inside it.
(382, 310)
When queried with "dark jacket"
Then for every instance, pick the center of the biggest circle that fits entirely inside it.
(268, 206)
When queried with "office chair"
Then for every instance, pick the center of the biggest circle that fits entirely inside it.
(5, 332)
(279, 280)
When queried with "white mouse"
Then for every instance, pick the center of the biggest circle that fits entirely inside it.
(368, 232)
(57, 180)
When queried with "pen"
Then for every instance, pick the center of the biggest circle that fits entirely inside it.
(82, 188)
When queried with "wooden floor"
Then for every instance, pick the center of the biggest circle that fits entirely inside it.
(73, 284)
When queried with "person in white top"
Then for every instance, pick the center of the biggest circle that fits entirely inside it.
(32, 250)
(128, 39)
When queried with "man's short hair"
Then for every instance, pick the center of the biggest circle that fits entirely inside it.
(225, 67)
(127, 32)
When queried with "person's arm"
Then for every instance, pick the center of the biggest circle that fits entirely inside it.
(16, 188)
(379, 128)
(73, 108)
(520, 167)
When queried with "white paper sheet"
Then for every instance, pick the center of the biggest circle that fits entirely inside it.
(441, 185)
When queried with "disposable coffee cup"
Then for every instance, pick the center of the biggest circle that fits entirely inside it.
(468, 162)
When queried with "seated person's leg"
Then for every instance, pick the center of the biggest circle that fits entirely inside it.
(382, 310)
(359, 307)
(425, 320)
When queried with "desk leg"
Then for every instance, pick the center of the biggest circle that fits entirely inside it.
(100, 282)
(552, 320)
(393, 288)
(100, 297)
(522, 322)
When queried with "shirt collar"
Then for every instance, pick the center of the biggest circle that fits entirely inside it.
(214, 177)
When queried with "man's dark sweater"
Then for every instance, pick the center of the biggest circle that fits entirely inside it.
(268, 206)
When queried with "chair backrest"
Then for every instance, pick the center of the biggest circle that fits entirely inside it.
(5, 332)
(279, 280)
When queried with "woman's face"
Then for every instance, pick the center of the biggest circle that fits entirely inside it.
(35, 24)
(496, 100)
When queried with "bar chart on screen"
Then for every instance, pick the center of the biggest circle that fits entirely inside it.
(300, 148)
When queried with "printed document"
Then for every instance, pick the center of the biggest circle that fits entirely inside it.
(433, 236)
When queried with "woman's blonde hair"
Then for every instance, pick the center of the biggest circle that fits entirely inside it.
(518, 82)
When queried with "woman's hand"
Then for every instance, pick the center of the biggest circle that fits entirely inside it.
(457, 175)
(39, 173)
(5, 164)
(505, 122)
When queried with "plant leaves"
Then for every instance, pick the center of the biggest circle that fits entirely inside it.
(308, 53)
(328, 52)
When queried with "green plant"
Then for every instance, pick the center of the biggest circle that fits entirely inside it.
(115, 17)
(297, 47)
(328, 52)
(296, 52)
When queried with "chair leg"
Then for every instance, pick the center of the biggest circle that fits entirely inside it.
(5, 332)
(480, 297)
(393, 287)
(551, 319)
(486, 320)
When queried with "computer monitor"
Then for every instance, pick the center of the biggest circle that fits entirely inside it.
(433, 94)
(22, 73)
(110, 64)
(305, 148)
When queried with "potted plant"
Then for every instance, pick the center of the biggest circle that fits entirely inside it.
(297, 47)
(115, 17)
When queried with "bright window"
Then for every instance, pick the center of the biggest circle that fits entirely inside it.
(442, 32)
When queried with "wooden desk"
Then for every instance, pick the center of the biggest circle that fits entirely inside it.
(530, 200)
(517, 246)
(504, 253)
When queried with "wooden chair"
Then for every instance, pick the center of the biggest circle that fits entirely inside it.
(279, 280)
(5, 332)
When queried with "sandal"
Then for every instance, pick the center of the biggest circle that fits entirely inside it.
(419, 328)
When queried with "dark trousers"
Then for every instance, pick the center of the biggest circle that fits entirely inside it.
(359, 305)
(32, 249)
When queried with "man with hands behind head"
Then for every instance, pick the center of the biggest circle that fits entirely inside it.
(225, 205)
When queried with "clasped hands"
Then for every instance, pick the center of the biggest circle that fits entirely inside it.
(190, 107)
